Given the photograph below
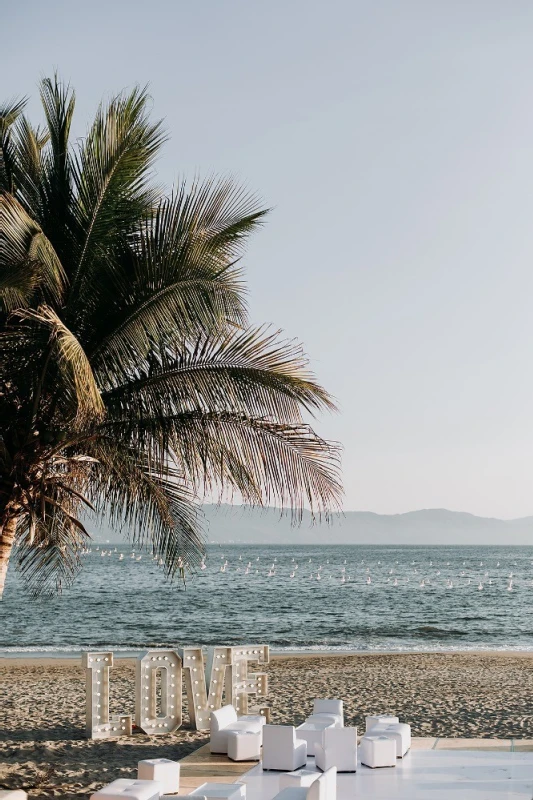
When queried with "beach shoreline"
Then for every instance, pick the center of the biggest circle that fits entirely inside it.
(73, 661)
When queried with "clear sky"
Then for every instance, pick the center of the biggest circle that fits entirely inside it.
(394, 140)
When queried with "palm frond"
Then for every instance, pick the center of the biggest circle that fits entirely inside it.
(77, 379)
(49, 554)
(178, 274)
(8, 159)
(150, 503)
(111, 176)
(264, 461)
(56, 215)
(252, 371)
(29, 143)
(50, 534)
(27, 258)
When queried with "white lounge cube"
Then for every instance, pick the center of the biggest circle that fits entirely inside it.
(400, 732)
(282, 750)
(164, 770)
(224, 720)
(311, 732)
(337, 749)
(379, 719)
(13, 794)
(324, 787)
(182, 797)
(228, 791)
(328, 711)
(300, 777)
(244, 745)
(128, 789)
(377, 751)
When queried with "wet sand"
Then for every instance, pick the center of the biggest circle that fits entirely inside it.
(42, 709)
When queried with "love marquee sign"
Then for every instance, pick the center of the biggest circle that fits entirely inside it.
(229, 680)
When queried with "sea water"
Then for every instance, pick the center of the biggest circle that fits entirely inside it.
(309, 598)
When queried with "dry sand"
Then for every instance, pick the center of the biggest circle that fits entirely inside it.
(42, 707)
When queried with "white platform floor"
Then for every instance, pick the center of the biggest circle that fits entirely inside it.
(424, 775)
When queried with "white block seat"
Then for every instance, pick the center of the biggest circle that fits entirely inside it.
(377, 751)
(338, 749)
(323, 788)
(227, 791)
(379, 719)
(328, 710)
(331, 719)
(299, 778)
(224, 720)
(182, 797)
(281, 749)
(400, 732)
(164, 770)
(13, 794)
(129, 789)
(312, 732)
(244, 745)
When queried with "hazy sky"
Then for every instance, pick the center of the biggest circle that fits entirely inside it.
(395, 142)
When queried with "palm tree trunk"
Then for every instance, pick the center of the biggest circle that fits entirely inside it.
(7, 537)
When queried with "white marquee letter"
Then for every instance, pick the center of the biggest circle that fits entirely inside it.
(228, 669)
(240, 684)
(168, 663)
(98, 725)
(200, 702)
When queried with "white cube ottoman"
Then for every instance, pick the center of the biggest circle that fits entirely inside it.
(244, 745)
(13, 794)
(379, 719)
(127, 789)
(377, 751)
(400, 732)
(235, 791)
(300, 777)
(311, 732)
(182, 797)
(164, 770)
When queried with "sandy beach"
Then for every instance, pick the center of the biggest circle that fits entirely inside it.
(42, 707)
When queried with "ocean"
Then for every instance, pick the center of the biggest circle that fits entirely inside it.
(308, 598)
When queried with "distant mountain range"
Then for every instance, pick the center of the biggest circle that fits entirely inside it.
(427, 526)
(241, 524)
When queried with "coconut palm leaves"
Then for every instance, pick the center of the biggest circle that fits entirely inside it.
(28, 261)
(130, 381)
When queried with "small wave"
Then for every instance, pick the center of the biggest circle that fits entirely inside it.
(433, 632)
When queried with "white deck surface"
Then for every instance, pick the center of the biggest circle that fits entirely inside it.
(424, 775)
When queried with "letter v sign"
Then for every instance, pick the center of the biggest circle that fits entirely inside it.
(228, 671)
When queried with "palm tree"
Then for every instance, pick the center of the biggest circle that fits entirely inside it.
(131, 384)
